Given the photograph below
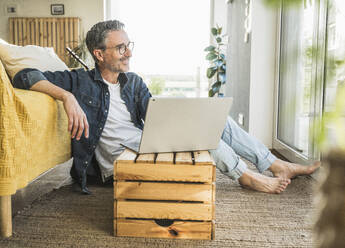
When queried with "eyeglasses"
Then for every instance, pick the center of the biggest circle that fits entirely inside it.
(122, 48)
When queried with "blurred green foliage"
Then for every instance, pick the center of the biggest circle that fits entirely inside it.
(80, 50)
(289, 3)
(330, 128)
(156, 85)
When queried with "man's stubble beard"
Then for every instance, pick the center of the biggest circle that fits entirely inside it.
(117, 68)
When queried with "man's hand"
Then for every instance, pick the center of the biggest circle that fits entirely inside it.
(77, 121)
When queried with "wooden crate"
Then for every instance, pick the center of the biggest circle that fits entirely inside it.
(165, 195)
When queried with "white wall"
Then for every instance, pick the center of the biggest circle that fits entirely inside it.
(262, 64)
(262, 74)
(90, 11)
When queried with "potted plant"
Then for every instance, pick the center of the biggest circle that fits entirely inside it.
(218, 62)
(81, 51)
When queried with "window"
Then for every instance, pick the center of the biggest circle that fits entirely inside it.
(335, 52)
(311, 70)
(295, 108)
(169, 37)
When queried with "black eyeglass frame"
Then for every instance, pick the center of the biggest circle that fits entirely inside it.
(122, 48)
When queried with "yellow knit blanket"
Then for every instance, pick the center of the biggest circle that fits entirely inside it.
(33, 135)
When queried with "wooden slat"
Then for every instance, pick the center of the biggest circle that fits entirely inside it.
(163, 210)
(45, 32)
(70, 29)
(115, 220)
(49, 34)
(214, 174)
(163, 191)
(20, 31)
(202, 158)
(41, 24)
(58, 39)
(148, 172)
(213, 233)
(146, 158)
(32, 32)
(5, 216)
(127, 156)
(165, 158)
(15, 27)
(67, 38)
(75, 32)
(149, 228)
(11, 29)
(25, 32)
(54, 35)
(61, 39)
(213, 192)
(37, 32)
(183, 158)
(213, 200)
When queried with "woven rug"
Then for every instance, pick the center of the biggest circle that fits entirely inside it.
(244, 218)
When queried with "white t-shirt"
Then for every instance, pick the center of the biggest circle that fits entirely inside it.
(118, 128)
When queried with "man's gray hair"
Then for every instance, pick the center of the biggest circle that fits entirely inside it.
(95, 37)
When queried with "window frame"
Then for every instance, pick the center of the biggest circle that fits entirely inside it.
(318, 73)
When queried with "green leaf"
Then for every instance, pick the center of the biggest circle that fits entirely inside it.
(211, 56)
(218, 62)
(215, 88)
(211, 93)
(218, 39)
(222, 77)
(217, 84)
(219, 31)
(210, 49)
(211, 71)
(214, 31)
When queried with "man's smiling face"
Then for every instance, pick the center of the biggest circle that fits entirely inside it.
(113, 60)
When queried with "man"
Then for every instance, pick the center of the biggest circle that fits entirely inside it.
(108, 104)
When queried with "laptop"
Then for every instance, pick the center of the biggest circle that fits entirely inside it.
(182, 124)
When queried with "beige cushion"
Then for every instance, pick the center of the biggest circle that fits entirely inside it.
(3, 41)
(16, 58)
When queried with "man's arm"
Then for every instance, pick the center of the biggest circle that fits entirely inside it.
(35, 80)
(77, 120)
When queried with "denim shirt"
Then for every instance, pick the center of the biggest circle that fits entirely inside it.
(92, 95)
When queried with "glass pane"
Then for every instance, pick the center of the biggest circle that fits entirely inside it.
(170, 37)
(335, 69)
(295, 83)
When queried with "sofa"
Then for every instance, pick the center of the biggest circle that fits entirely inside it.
(33, 129)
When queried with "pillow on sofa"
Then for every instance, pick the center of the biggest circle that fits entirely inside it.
(3, 41)
(16, 58)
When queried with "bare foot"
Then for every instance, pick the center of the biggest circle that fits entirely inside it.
(258, 182)
(288, 170)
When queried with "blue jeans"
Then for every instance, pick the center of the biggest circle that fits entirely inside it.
(236, 142)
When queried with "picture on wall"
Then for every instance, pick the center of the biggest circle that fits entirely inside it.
(57, 9)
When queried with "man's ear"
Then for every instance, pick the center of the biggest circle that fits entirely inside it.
(98, 54)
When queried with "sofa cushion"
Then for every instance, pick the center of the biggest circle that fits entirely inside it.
(16, 58)
(3, 41)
